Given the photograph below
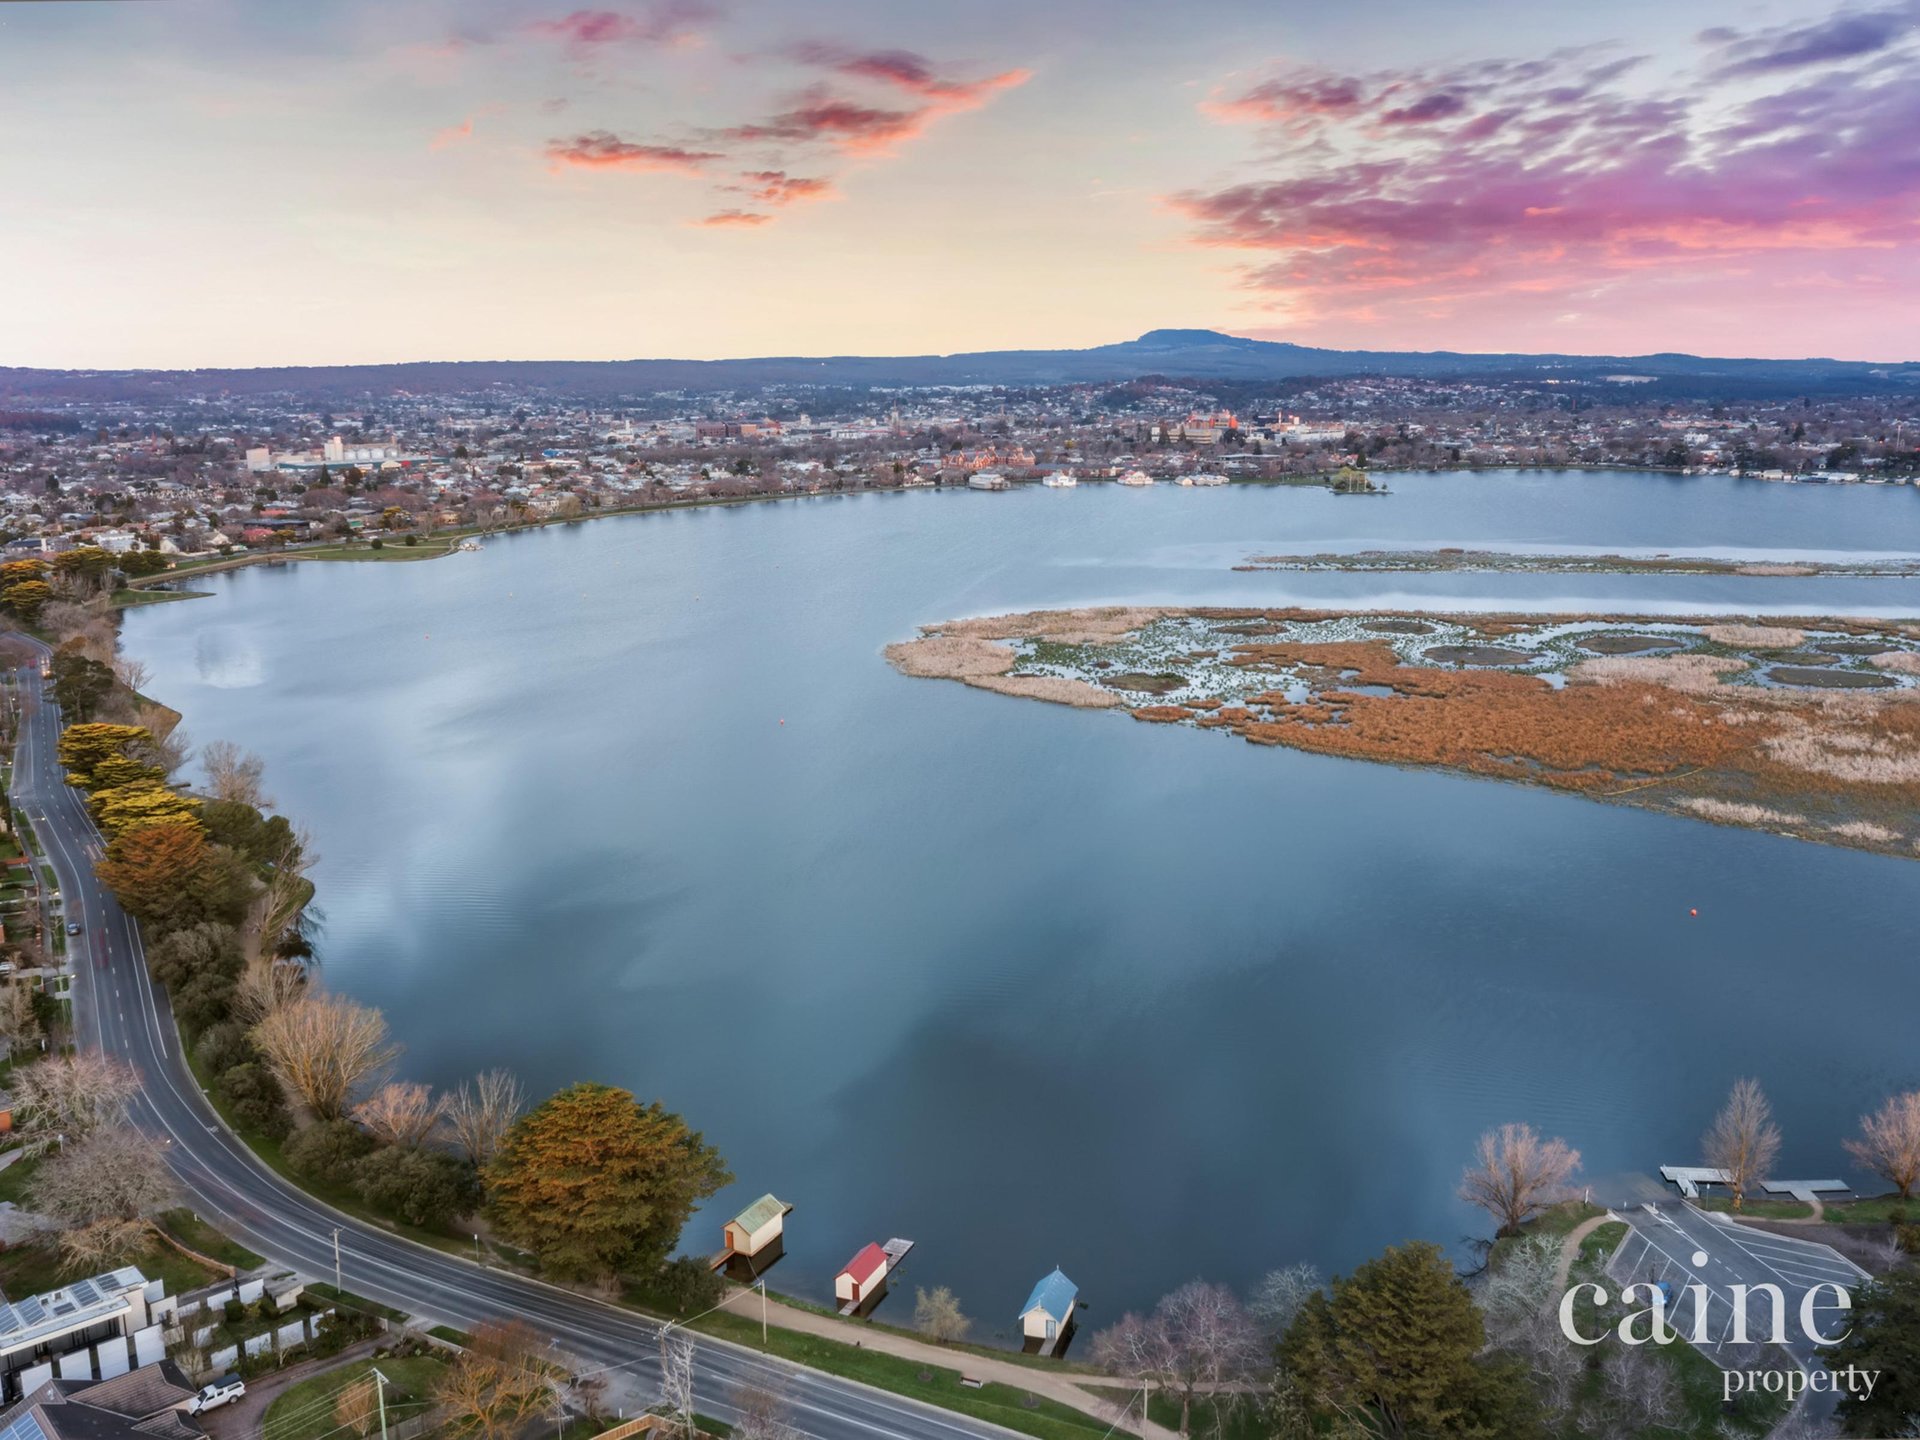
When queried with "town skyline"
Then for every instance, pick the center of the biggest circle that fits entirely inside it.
(197, 187)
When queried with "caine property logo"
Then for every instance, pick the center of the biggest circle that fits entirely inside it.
(1649, 1303)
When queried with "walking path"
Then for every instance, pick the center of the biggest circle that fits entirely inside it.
(1570, 1249)
(1054, 1385)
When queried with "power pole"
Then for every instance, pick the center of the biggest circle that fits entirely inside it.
(380, 1388)
(336, 1261)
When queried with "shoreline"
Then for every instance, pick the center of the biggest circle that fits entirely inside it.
(1804, 726)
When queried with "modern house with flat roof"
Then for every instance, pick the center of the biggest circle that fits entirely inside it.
(41, 1329)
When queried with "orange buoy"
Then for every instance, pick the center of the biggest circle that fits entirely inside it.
(1693, 913)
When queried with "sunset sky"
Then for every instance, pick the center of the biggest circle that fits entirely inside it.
(255, 182)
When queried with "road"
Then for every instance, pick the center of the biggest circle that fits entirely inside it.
(1687, 1247)
(119, 1010)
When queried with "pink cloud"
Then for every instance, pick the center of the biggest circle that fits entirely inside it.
(603, 150)
(904, 70)
(666, 23)
(776, 187)
(452, 135)
(1406, 197)
(729, 218)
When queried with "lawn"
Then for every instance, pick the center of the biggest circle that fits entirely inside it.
(1878, 1210)
(1759, 1209)
(37, 1267)
(305, 1411)
(1000, 1404)
(15, 1178)
(190, 1230)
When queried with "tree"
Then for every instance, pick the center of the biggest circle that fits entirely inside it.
(481, 1114)
(1391, 1350)
(233, 774)
(1281, 1293)
(168, 876)
(19, 1024)
(499, 1382)
(26, 598)
(1514, 1172)
(255, 1100)
(762, 1415)
(329, 1152)
(113, 1174)
(325, 1049)
(1889, 1143)
(83, 748)
(66, 1098)
(937, 1314)
(419, 1187)
(594, 1183)
(676, 1378)
(358, 1407)
(1198, 1336)
(1743, 1140)
(80, 684)
(1885, 1338)
(143, 803)
(403, 1113)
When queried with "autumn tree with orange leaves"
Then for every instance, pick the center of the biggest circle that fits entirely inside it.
(596, 1184)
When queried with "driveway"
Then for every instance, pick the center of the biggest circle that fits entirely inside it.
(243, 1419)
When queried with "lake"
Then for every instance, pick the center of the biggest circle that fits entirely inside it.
(639, 801)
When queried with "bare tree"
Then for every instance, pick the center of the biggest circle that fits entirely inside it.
(1514, 1172)
(936, 1314)
(266, 985)
(1889, 1143)
(481, 1114)
(66, 1098)
(1743, 1140)
(1197, 1338)
(403, 1113)
(234, 774)
(763, 1415)
(19, 1025)
(112, 1174)
(358, 1406)
(1640, 1391)
(676, 1377)
(1519, 1301)
(104, 1244)
(1280, 1294)
(325, 1049)
(500, 1381)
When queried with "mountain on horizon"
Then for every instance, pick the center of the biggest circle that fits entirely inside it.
(1195, 354)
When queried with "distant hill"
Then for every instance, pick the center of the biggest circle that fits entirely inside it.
(1192, 354)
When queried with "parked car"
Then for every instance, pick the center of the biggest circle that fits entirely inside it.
(73, 927)
(224, 1391)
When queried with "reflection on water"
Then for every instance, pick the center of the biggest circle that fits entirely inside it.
(1029, 985)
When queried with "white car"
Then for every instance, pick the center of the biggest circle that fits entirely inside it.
(223, 1391)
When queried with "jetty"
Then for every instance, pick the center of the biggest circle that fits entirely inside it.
(863, 1279)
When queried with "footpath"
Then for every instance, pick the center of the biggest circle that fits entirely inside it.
(1051, 1384)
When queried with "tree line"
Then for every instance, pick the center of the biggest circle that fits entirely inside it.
(1405, 1346)
(592, 1183)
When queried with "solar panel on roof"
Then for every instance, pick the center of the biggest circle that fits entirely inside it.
(26, 1427)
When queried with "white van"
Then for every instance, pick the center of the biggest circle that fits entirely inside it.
(223, 1391)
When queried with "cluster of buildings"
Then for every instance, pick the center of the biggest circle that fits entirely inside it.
(218, 473)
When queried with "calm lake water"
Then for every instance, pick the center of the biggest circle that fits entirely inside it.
(1026, 984)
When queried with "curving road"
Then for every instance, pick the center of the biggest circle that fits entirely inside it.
(120, 1011)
